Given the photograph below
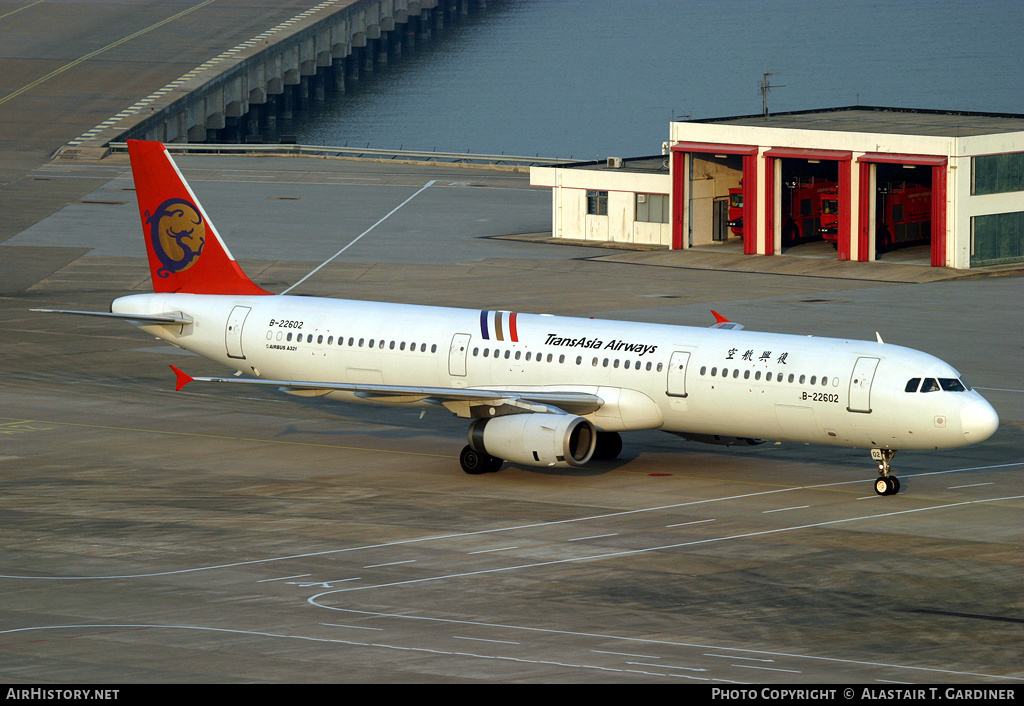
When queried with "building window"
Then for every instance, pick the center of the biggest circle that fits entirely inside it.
(652, 208)
(997, 173)
(597, 203)
(998, 238)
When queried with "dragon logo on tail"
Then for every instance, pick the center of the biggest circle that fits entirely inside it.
(177, 233)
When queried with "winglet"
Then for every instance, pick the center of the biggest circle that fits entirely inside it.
(722, 322)
(183, 378)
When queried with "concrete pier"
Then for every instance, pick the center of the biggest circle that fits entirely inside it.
(289, 67)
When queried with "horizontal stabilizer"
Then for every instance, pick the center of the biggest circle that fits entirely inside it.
(183, 378)
(169, 319)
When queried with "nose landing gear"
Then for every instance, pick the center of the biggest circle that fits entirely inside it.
(886, 484)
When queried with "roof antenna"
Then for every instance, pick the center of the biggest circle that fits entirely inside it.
(765, 87)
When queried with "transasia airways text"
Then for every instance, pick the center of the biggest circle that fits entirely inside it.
(613, 345)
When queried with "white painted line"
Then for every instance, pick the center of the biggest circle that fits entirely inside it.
(767, 669)
(624, 654)
(596, 536)
(667, 666)
(480, 639)
(749, 659)
(487, 551)
(359, 237)
(786, 509)
(284, 578)
(684, 524)
(352, 627)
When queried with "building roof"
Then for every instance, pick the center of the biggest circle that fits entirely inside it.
(647, 165)
(898, 121)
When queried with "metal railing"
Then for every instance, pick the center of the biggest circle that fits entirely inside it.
(355, 153)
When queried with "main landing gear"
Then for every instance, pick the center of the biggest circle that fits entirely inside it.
(886, 484)
(476, 463)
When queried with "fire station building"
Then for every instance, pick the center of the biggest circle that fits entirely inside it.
(945, 187)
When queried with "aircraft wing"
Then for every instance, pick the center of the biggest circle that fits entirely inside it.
(553, 401)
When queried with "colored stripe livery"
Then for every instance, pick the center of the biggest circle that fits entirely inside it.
(501, 325)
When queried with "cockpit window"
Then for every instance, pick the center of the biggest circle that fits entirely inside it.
(951, 385)
(912, 384)
(930, 385)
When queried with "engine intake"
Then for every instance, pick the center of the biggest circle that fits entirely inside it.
(535, 439)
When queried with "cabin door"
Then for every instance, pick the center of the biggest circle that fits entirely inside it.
(676, 383)
(860, 385)
(457, 355)
(233, 332)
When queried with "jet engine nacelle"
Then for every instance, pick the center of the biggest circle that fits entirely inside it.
(535, 439)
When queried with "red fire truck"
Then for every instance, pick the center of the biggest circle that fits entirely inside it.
(903, 216)
(803, 217)
(802, 201)
(736, 211)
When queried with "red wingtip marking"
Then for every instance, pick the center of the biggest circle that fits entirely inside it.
(719, 318)
(183, 378)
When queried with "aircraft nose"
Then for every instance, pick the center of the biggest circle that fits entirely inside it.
(978, 421)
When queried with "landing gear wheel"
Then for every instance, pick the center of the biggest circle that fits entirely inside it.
(476, 463)
(886, 484)
(609, 446)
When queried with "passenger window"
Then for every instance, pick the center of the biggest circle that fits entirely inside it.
(814, 379)
(561, 359)
(746, 374)
(790, 377)
(930, 385)
(319, 339)
(289, 337)
(433, 348)
(802, 378)
(912, 384)
(518, 354)
(659, 367)
(579, 360)
(757, 375)
(703, 369)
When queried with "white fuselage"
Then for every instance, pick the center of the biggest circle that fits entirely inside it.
(692, 381)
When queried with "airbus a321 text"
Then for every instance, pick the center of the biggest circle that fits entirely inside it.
(539, 390)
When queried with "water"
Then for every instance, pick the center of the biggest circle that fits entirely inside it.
(597, 78)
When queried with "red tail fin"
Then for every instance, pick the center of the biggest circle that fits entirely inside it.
(186, 254)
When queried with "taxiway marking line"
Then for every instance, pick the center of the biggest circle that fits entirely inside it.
(360, 236)
(86, 57)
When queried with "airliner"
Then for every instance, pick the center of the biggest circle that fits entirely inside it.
(538, 390)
